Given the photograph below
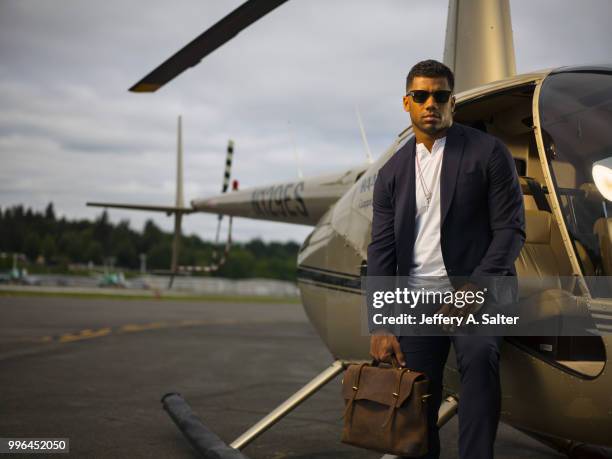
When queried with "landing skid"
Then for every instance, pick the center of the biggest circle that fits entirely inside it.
(210, 446)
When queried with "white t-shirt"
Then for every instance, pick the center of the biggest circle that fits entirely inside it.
(427, 255)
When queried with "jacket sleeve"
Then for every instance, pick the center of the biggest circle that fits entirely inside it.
(506, 215)
(382, 260)
(381, 251)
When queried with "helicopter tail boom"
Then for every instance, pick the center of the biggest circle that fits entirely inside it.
(301, 202)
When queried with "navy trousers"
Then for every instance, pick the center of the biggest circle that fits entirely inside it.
(480, 394)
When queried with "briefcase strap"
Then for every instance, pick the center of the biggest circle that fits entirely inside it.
(396, 394)
(348, 411)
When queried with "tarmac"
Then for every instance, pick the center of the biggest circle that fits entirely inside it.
(94, 370)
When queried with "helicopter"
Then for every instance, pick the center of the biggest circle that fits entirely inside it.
(555, 122)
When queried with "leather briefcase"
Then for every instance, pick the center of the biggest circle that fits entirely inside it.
(386, 409)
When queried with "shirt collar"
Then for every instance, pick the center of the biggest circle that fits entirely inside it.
(438, 146)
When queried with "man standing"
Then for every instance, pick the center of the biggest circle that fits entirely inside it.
(448, 203)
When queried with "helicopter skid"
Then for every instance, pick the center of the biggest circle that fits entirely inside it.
(211, 446)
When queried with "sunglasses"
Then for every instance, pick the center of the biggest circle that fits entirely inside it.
(421, 97)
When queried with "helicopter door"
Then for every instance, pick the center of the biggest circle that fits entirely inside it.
(544, 263)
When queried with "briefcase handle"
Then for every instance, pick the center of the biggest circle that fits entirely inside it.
(394, 363)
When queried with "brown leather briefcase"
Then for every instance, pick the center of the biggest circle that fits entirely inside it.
(386, 409)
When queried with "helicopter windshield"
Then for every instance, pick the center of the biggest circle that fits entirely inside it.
(576, 121)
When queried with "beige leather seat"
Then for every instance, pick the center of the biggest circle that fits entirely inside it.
(543, 261)
(545, 281)
(528, 199)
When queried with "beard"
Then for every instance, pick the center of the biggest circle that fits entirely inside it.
(431, 129)
(434, 128)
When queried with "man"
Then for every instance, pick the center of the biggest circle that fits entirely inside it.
(448, 203)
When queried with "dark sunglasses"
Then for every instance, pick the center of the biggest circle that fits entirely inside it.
(421, 97)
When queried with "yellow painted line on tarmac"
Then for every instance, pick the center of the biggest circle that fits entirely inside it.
(84, 334)
(47, 342)
(130, 328)
(89, 333)
(188, 323)
(193, 323)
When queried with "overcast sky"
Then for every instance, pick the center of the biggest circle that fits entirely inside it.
(71, 132)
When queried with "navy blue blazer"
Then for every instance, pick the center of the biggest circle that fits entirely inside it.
(481, 204)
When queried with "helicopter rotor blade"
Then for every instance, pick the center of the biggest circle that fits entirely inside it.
(219, 34)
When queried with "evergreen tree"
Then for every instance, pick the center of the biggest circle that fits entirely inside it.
(64, 241)
(50, 213)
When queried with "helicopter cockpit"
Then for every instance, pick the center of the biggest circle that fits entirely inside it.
(575, 171)
(571, 170)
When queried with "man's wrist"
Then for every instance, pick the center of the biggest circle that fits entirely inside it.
(381, 331)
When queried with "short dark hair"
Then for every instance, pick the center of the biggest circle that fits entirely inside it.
(431, 69)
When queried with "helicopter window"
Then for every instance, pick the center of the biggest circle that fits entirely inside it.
(576, 115)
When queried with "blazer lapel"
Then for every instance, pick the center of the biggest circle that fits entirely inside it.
(451, 160)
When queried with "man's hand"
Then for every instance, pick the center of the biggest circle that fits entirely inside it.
(383, 345)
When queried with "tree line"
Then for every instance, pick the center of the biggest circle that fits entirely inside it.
(48, 241)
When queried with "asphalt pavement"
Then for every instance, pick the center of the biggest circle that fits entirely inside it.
(94, 370)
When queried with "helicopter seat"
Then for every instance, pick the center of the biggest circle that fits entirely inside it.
(545, 281)
(528, 200)
(542, 262)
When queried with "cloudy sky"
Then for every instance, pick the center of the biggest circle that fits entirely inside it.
(70, 131)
